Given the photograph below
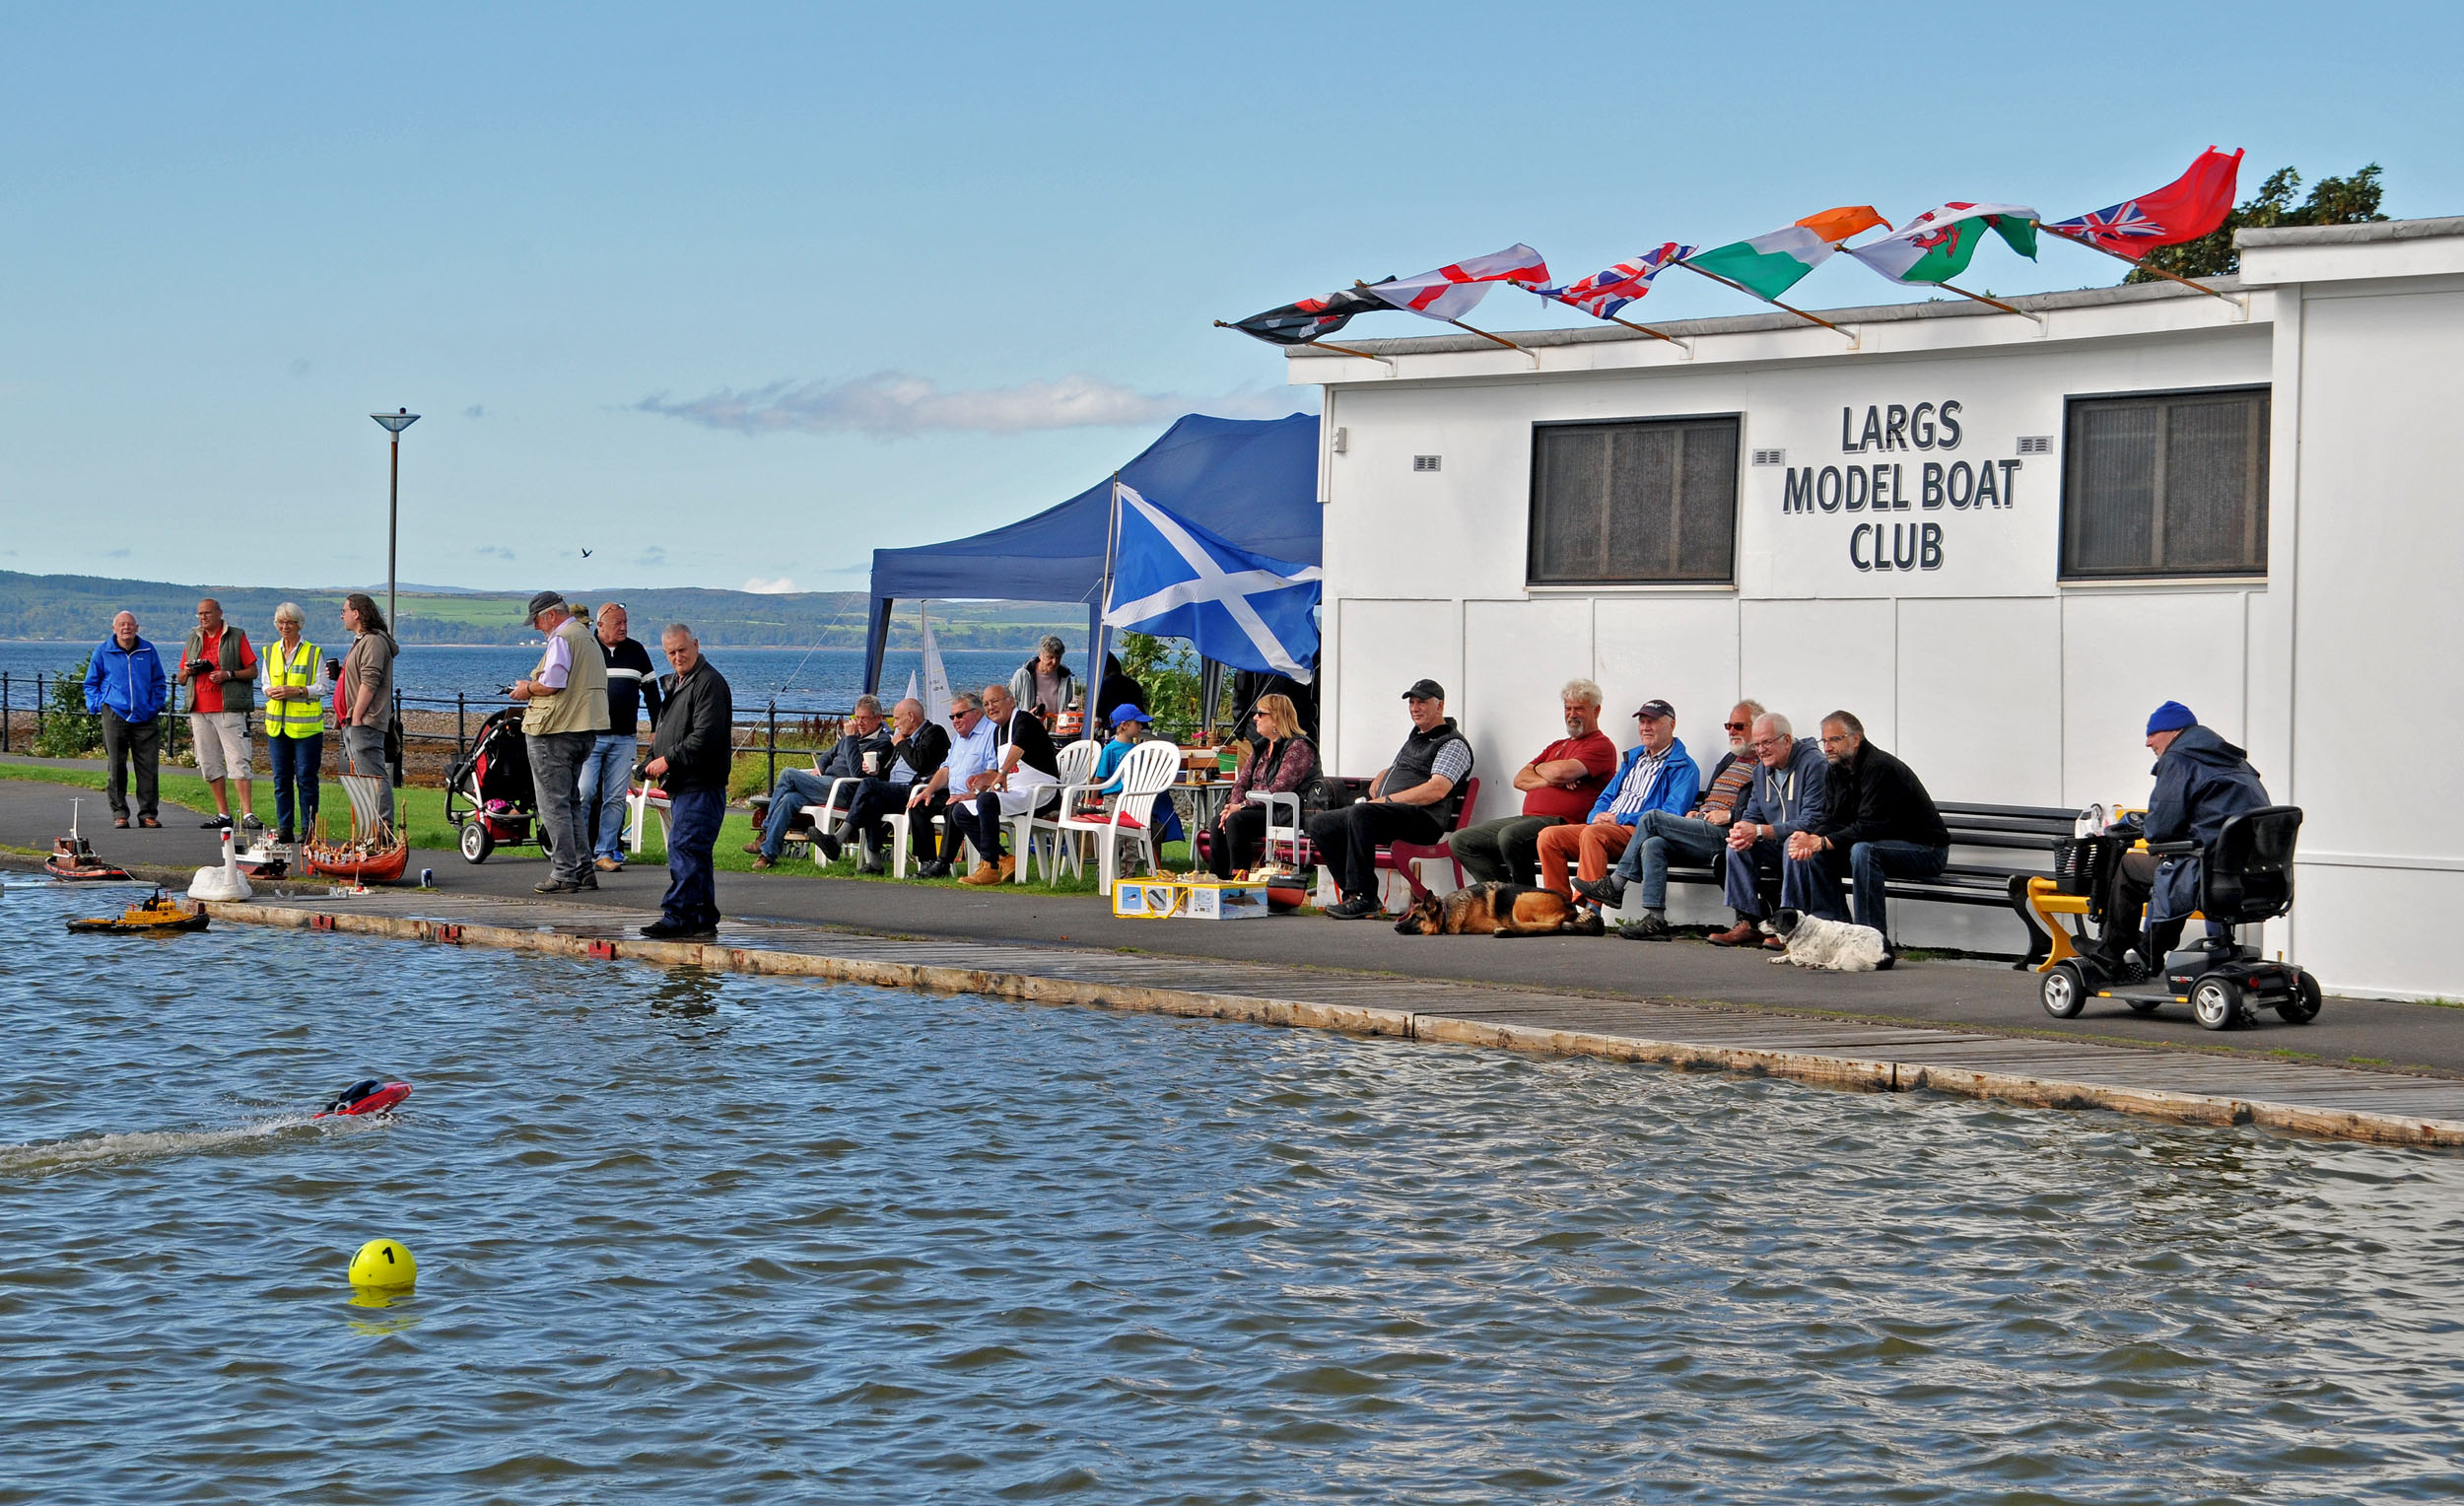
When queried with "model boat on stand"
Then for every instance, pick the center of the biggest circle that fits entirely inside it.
(73, 857)
(376, 852)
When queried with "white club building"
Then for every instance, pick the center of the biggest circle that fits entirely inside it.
(2001, 539)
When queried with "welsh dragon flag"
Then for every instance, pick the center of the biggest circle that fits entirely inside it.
(1769, 265)
(1937, 245)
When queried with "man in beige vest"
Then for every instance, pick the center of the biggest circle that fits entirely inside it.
(568, 701)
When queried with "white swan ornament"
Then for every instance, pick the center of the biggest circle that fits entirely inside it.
(225, 882)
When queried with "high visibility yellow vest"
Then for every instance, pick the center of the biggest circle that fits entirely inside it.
(288, 717)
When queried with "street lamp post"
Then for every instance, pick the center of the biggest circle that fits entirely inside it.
(395, 421)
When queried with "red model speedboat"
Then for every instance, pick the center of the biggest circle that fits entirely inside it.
(369, 1095)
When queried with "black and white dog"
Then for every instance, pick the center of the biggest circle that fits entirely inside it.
(1833, 946)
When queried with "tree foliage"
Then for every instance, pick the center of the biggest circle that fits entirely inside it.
(1167, 669)
(69, 731)
(2333, 201)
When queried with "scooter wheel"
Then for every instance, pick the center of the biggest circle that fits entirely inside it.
(2064, 990)
(2216, 1004)
(2304, 1007)
(2145, 1005)
(475, 843)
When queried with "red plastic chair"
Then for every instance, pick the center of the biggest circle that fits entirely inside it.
(1402, 857)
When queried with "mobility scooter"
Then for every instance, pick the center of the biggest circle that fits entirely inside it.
(2244, 877)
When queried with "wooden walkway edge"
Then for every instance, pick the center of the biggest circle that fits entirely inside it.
(2177, 1086)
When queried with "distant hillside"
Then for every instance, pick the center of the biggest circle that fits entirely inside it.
(80, 607)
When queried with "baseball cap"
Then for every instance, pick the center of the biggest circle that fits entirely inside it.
(1125, 713)
(1656, 708)
(541, 602)
(1425, 690)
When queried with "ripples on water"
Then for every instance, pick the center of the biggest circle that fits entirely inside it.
(687, 1237)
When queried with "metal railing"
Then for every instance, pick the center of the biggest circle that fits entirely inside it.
(811, 728)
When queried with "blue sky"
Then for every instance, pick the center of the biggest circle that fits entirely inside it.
(734, 294)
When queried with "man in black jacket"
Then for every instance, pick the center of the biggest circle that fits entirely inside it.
(691, 753)
(915, 754)
(1878, 824)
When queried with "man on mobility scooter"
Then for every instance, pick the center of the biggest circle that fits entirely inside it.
(2215, 847)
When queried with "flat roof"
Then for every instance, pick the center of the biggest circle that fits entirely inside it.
(2351, 235)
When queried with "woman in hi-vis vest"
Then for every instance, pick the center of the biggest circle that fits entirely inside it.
(292, 682)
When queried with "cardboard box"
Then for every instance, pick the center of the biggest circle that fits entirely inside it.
(1177, 900)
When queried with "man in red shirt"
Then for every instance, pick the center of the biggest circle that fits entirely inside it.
(1559, 785)
(219, 668)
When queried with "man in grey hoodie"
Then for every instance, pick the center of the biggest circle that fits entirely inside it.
(1791, 787)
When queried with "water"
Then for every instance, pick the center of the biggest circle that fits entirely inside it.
(820, 678)
(700, 1238)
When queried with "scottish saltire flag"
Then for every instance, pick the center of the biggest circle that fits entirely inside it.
(2192, 205)
(1456, 289)
(1173, 579)
(1602, 294)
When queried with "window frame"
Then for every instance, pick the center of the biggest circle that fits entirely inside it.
(2066, 573)
(1532, 577)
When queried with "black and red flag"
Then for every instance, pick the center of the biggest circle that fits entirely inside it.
(1310, 318)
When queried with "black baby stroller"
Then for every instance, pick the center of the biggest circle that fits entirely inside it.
(488, 793)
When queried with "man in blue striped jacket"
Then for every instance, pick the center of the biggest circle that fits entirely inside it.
(1656, 773)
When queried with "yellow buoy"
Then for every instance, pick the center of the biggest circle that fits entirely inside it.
(384, 1263)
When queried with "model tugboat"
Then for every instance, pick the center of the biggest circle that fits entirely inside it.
(157, 915)
(73, 858)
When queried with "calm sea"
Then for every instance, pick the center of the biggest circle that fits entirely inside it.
(701, 1238)
(825, 679)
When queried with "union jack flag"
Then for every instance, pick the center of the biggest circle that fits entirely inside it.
(1602, 294)
(2121, 222)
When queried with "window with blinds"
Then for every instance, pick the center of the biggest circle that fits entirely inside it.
(1634, 503)
(2165, 484)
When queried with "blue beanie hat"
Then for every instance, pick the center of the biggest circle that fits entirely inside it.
(2171, 717)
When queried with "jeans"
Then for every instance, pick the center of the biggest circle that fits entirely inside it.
(296, 762)
(1868, 863)
(1659, 839)
(796, 788)
(364, 752)
(1804, 886)
(556, 760)
(693, 817)
(1503, 852)
(142, 740)
(1347, 840)
(606, 780)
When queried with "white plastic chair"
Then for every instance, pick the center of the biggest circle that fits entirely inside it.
(640, 801)
(832, 806)
(1279, 839)
(1078, 767)
(1146, 773)
(899, 821)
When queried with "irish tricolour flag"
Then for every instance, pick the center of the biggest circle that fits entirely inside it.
(1769, 265)
(1937, 245)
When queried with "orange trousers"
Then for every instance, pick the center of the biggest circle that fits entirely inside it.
(1593, 848)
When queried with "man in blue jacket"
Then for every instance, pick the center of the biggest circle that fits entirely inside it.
(1656, 773)
(2201, 783)
(125, 685)
(1791, 792)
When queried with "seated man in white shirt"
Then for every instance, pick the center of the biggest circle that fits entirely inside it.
(973, 766)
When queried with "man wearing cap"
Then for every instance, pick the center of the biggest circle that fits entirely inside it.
(566, 695)
(1658, 773)
(1558, 786)
(1695, 838)
(2201, 783)
(1412, 799)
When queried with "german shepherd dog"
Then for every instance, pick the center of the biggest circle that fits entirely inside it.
(1499, 909)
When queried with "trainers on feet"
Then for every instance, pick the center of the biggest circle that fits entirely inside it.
(1650, 928)
(215, 824)
(1353, 909)
(1605, 891)
(251, 822)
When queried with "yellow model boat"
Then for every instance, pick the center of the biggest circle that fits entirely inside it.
(159, 915)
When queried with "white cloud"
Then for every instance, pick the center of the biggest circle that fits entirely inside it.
(889, 404)
(762, 588)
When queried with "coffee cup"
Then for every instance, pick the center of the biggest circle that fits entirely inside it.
(872, 762)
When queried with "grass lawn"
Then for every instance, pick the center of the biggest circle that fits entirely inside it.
(423, 814)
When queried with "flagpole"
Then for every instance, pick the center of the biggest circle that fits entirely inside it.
(1774, 303)
(1485, 335)
(1095, 658)
(1613, 319)
(2141, 265)
(1995, 301)
(1315, 344)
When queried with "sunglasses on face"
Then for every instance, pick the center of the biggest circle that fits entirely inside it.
(1735, 726)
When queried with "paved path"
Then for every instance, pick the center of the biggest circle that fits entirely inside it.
(1966, 996)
